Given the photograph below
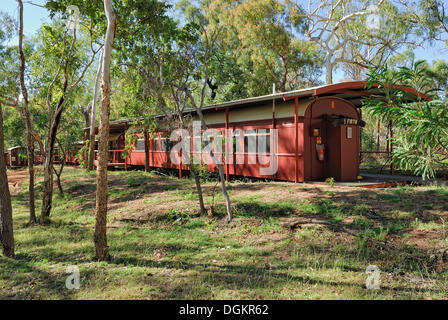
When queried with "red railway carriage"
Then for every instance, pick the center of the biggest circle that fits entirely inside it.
(318, 134)
(72, 153)
(16, 157)
(116, 144)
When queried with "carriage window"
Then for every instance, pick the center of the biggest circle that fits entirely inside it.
(165, 144)
(250, 141)
(156, 144)
(219, 139)
(236, 141)
(264, 141)
(140, 145)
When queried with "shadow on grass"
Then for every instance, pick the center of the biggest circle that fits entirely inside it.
(40, 283)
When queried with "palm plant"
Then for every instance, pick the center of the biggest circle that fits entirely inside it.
(421, 141)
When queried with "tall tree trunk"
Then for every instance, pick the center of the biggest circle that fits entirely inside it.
(58, 176)
(93, 117)
(27, 119)
(100, 237)
(59, 173)
(30, 155)
(329, 69)
(198, 190)
(225, 193)
(47, 192)
(221, 174)
(6, 228)
(86, 113)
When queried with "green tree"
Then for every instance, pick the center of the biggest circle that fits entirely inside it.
(58, 65)
(261, 38)
(421, 143)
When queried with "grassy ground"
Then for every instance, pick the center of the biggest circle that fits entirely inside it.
(162, 250)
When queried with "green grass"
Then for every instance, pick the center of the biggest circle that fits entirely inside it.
(162, 250)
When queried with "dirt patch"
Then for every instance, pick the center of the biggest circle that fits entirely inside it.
(16, 179)
(423, 239)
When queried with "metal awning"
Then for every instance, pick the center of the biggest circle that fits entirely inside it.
(352, 91)
(114, 136)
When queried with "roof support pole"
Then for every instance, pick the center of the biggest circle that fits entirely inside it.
(125, 158)
(273, 127)
(225, 158)
(180, 162)
(296, 129)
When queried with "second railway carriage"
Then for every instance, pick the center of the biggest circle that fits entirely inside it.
(318, 134)
(16, 157)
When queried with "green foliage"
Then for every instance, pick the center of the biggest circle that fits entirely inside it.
(130, 140)
(264, 46)
(80, 154)
(133, 181)
(421, 141)
(177, 217)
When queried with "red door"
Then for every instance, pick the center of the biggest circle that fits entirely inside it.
(339, 141)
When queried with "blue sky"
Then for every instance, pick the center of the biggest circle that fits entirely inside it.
(35, 15)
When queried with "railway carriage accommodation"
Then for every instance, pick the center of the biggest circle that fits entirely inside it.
(318, 133)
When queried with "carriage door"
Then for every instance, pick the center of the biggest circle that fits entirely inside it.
(343, 151)
(333, 140)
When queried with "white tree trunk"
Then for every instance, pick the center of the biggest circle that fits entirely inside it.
(100, 238)
(329, 65)
(93, 116)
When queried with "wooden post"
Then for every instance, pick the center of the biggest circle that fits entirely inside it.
(180, 160)
(296, 129)
(225, 144)
(126, 158)
(392, 169)
(273, 128)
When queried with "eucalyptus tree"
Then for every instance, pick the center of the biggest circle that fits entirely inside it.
(148, 60)
(260, 31)
(429, 16)
(134, 98)
(24, 111)
(6, 226)
(100, 235)
(59, 63)
(172, 56)
(376, 38)
(142, 45)
(350, 32)
(195, 50)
